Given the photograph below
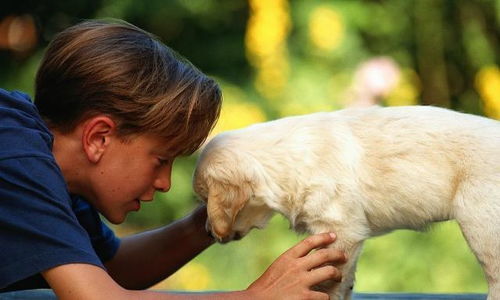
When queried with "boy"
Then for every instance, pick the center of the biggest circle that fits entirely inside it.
(114, 107)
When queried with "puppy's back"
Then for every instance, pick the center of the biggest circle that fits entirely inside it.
(420, 156)
(429, 132)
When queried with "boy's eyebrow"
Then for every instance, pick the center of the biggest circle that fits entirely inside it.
(164, 152)
(169, 151)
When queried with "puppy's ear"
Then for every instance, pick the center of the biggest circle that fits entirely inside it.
(219, 220)
(224, 203)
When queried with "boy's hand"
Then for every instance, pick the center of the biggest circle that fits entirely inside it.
(293, 274)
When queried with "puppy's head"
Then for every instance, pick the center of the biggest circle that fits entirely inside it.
(226, 180)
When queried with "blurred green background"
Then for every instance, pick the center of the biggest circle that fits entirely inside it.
(276, 58)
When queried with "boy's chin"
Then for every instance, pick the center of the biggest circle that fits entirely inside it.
(115, 219)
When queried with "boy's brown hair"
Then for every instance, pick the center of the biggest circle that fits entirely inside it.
(117, 69)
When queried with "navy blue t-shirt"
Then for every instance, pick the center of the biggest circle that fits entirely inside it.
(41, 224)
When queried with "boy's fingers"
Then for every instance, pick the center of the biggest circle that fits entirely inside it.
(321, 274)
(318, 296)
(310, 243)
(324, 256)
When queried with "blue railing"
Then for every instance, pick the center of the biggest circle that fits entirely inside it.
(48, 295)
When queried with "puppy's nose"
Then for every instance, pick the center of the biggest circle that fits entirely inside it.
(223, 240)
(216, 238)
(237, 236)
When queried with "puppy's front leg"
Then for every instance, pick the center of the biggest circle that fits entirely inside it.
(343, 290)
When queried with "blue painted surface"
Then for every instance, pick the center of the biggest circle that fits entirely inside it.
(402, 296)
(49, 295)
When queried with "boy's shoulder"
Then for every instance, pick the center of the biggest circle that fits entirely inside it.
(22, 130)
(16, 100)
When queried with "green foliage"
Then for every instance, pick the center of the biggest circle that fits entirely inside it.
(436, 261)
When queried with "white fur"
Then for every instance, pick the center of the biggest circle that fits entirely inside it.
(360, 173)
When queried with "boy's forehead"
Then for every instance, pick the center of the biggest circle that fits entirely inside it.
(165, 146)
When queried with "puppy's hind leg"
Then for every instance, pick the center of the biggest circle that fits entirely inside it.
(477, 211)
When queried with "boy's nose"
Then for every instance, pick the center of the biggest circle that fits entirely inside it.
(162, 188)
(162, 183)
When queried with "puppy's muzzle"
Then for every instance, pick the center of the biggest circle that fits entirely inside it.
(223, 240)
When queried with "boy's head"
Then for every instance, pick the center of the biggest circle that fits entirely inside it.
(129, 105)
(119, 70)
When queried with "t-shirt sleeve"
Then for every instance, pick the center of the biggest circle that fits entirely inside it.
(38, 228)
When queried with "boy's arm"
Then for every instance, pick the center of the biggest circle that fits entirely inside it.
(145, 259)
(289, 277)
(84, 281)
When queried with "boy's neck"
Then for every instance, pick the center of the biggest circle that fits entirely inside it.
(70, 157)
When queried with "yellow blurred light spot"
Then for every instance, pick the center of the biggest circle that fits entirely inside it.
(267, 29)
(266, 33)
(237, 111)
(265, 41)
(238, 115)
(272, 77)
(326, 28)
(193, 276)
(406, 92)
(488, 85)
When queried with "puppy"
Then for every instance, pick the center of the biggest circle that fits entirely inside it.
(359, 173)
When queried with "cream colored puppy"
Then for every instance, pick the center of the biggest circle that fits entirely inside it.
(359, 173)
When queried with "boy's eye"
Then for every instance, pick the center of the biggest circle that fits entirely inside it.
(163, 161)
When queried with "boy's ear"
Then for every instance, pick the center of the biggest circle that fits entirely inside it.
(96, 136)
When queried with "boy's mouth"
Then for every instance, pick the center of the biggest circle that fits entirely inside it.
(137, 206)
